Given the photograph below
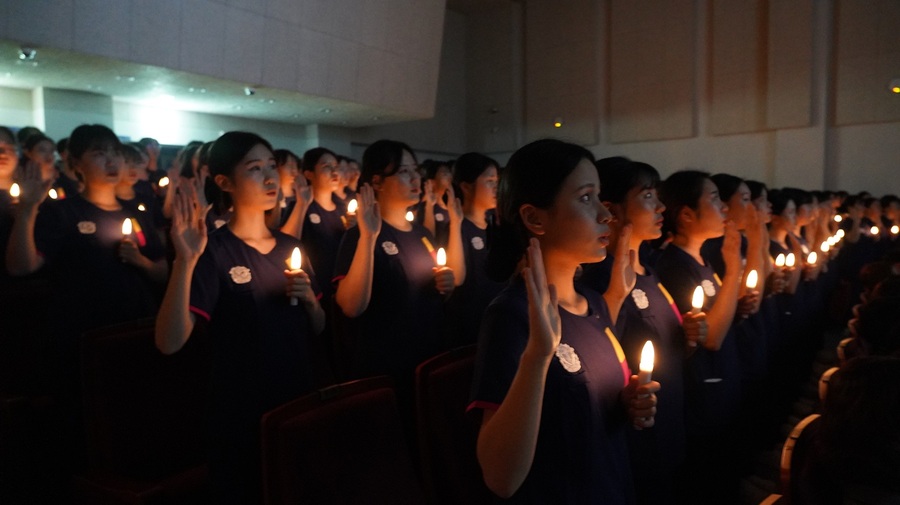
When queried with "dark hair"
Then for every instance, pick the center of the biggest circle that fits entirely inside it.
(8, 135)
(283, 155)
(430, 168)
(203, 154)
(469, 167)
(779, 200)
(727, 184)
(619, 175)
(87, 137)
(756, 188)
(860, 436)
(132, 154)
(187, 155)
(382, 158)
(534, 175)
(681, 189)
(224, 155)
(25, 132)
(62, 144)
(146, 141)
(799, 196)
(312, 156)
(36, 139)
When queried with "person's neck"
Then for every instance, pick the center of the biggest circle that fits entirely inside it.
(394, 214)
(779, 235)
(287, 190)
(103, 196)
(635, 245)
(341, 192)
(323, 198)
(249, 226)
(6, 183)
(125, 192)
(690, 244)
(477, 216)
(561, 274)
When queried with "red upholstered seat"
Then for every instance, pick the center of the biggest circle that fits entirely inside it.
(341, 445)
(144, 416)
(447, 437)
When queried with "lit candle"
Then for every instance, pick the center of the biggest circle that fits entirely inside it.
(141, 207)
(52, 194)
(352, 206)
(895, 230)
(697, 300)
(779, 260)
(646, 366)
(874, 230)
(126, 228)
(164, 182)
(295, 265)
(838, 218)
(752, 279)
(790, 260)
(441, 257)
(14, 192)
(812, 258)
(840, 234)
(410, 216)
(825, 247)
(831, 241)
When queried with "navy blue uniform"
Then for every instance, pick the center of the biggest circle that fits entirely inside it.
(261, 351)
(322, 233)
(581, 455)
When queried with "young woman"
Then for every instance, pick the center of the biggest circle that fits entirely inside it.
(551, 383)
(388, 287)
(9, 159)
(323, 226)
(433, 210)
(628, 188)
(476, 176)
(695, 213)
(295, 193)
(237, 281)
(129, 192)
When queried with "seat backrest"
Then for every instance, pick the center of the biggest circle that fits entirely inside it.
(793, 454)
(144, 412)
(823, 382)
(447, 437)
(340, 445)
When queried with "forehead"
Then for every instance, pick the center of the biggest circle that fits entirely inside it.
(584, 173)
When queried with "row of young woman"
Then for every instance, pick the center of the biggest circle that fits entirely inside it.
(553, 384)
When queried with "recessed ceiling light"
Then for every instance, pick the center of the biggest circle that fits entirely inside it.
(270, 101)
(325, 110)
(558, 122)
(894, 85)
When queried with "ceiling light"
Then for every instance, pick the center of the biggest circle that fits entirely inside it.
(894, 85)
(27, 53)
(249, 91)
(558, 122)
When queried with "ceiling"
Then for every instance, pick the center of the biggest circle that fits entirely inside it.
(172, 89)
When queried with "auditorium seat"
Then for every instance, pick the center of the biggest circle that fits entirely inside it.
(794, 455)
(340, 445)
(447, 437)
(144, 416)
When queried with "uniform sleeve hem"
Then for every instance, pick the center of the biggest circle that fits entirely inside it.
(483, 405)
(199, 312)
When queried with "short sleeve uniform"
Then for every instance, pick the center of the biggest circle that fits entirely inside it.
(441, 223)
(581, 455)
(322, 233)
(402, 325)
(712, 387)
(469, 300)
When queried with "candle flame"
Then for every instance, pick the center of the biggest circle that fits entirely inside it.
(831, 241)
(840, 234)
(52, 194)
(141, 207)
(811, 259)
(647, 356)
(352, 206)
(874, 230)
(697, 299)
(779, 261)
(825, 247)
(295, 259)
(441, 257)
(126, 227)
(14, 190)
(410, 216)
(838, 218)
(164, 182)
(790, 260)
(752, 279)
(895, 229)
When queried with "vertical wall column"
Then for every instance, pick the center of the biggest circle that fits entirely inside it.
(58, 111)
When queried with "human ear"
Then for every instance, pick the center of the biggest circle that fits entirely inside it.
(224, 183)
(533, 218)
(376, 182)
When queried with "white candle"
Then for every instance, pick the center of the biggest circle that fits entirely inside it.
(752, 279)
(790, 260)
(164, 182)
(295, 264)
(410, 216)
(14, 192)
(126, 228)
(840, 234)
(824, 247)
(441, 257)
(812, 258)
(52, 194)
(697, 300)
(779, 260)
(352, 206)
(646, 366)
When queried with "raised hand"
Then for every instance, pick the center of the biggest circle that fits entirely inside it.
(302, 192)
(369, 215)
(623, 276)
(544, 327)
(429, 197)
(454, 206)
(188, 223)
(731, 248)
(32, 188)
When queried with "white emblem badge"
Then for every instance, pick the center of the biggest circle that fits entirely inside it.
(439, 218)
(477, 243)
(219, 223)
(315, 218)
(708, 287)
(640, 298)
(568, 358)
(390, 248)
(87, 227)
(240, 275)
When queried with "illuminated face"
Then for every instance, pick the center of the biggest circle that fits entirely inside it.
(710, 213)
(788, 217)
(43, 154)
(764, 206)
(404, 185)
(325, 173)
(643, 210)
(287, 174)
(485, 188)
(576, 226)
(442, 179)
(254, 183)
(100, 165)
(738, 205)
(9, 157)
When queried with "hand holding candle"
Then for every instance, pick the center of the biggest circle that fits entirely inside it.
(640, 392)
(126, 228)
(752, 280)
(443, 276)
(790, 260)
(779, 260)
(295, 264)
(352, 206)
